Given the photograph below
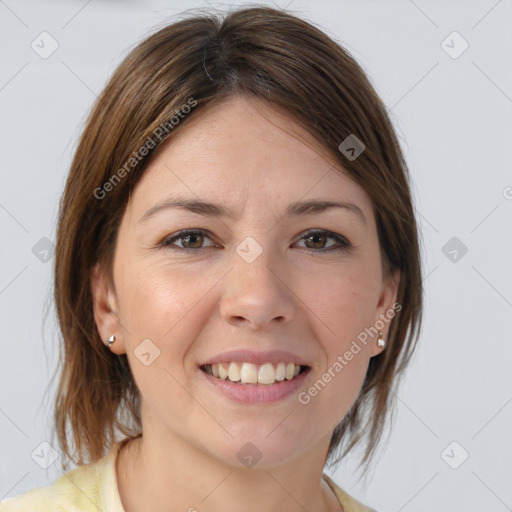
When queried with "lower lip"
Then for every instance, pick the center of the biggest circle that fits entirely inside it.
(257, 393)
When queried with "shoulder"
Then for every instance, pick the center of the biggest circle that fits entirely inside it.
(75, 490)
(88, 488)
(349, 503)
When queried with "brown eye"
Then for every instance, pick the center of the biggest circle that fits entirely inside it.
(318, 240)
(193, 241)
(190, 239)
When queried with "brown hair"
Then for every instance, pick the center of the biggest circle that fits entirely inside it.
(295, 67)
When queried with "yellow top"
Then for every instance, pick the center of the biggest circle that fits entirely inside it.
(93, 488)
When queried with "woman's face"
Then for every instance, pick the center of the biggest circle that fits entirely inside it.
(254, 280)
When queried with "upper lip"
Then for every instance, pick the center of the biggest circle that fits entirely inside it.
(249, 356)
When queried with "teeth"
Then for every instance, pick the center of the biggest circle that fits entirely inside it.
(267, 374)
(281, 371)
(233, 372)
(223, 371)
(248, 373)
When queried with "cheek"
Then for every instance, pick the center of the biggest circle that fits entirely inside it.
(347, 302)
(344, 382)
(163, 304)
(343, 311)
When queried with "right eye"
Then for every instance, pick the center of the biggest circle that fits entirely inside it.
(191, 238)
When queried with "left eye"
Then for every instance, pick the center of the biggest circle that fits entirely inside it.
(320, 237)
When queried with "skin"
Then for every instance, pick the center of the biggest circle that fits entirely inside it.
(296, 296)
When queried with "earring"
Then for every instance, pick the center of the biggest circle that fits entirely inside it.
(380, 341)
(111, 340)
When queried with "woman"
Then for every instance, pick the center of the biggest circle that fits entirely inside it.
(237, 275)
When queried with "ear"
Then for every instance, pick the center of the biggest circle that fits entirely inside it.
(105, 310)
(386, 307)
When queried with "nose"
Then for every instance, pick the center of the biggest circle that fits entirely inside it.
(256, 294)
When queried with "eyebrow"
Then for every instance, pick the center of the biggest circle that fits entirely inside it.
(206, 208)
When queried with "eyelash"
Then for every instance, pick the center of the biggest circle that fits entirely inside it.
(344, 243)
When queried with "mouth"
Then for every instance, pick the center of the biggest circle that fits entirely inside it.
(244, 373)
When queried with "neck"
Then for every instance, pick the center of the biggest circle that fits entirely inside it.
(181, 477)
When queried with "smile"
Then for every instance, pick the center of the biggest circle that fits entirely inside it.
(249, 373)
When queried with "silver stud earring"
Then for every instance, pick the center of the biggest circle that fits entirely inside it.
(111, 340)
(380, 341)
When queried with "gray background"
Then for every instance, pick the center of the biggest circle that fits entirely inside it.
(453, 116)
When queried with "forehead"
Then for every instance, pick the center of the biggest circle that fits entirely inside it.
(244, 151)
